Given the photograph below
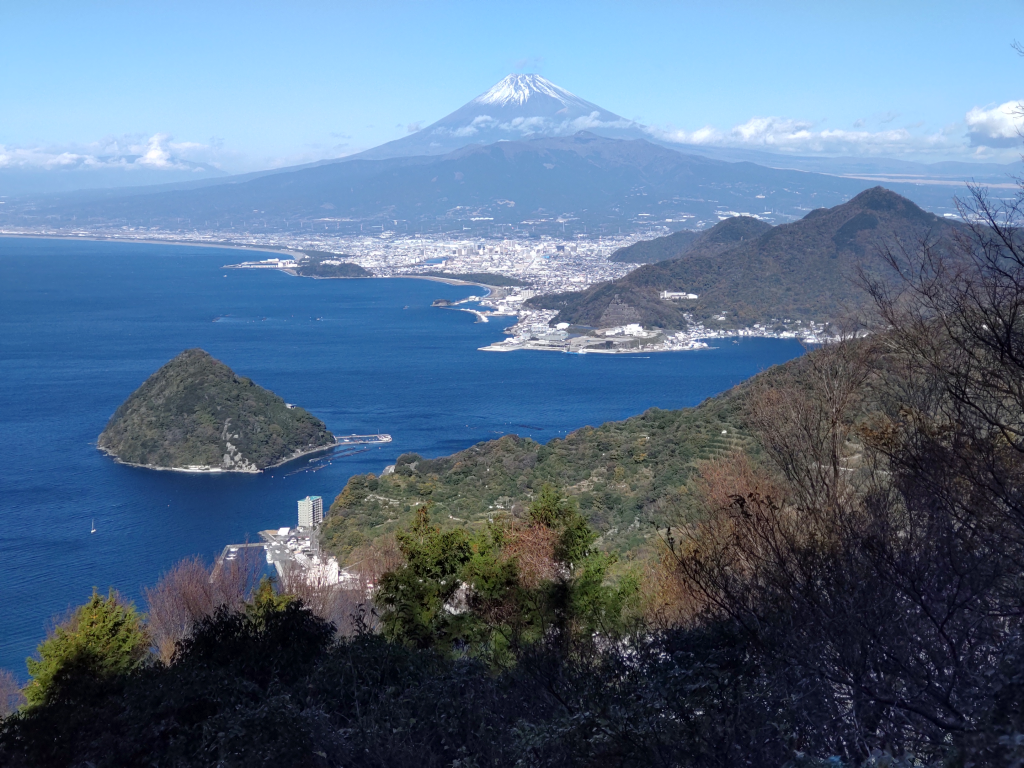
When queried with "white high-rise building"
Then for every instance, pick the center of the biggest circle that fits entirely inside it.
(311, 511)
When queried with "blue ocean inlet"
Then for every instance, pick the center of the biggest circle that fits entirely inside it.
(82, 324)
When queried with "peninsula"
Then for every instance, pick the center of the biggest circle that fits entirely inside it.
(195, 414)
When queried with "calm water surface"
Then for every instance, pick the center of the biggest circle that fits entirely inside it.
(82, 324)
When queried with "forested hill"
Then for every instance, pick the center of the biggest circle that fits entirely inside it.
(195, 412)
(802, 271)
(628, 476)
(724, 235)
(658, 249)
(330, 265)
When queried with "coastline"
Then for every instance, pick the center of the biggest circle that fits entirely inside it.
(481, 317)
(149, 241)
(501, 347)
(447, 281)
(201, 470)
(234, 247)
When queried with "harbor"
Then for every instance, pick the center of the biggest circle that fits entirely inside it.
(377, 439)
(348, 445)
(294, 551)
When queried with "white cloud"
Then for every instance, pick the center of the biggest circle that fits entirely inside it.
(988, 131)
(781, 134)
(532, 126)
(996, 126)
(593, 120)
(156, 152)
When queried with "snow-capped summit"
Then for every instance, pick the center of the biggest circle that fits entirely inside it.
(517, 89)
(524, 106)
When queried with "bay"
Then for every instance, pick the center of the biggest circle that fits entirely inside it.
(82, 324)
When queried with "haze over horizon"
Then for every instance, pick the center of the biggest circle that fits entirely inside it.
(276, 88)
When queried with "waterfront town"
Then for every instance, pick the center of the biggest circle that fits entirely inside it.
(528, 265)
(545, 264)
(294, 553)
(548, 266)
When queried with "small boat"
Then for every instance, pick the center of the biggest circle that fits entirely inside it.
(93, 526)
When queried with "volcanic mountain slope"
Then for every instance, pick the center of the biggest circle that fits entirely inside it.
(519, 107)
(196, 413)
(801, 271)
(581, 178)
(527, 106)
(710, 242)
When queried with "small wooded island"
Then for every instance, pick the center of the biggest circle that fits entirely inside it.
(196, 414)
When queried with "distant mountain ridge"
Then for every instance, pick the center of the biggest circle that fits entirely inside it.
(805, 270)
(512, 155)
(593, 180)
(196, 413)
(525, 106)
(520, 107)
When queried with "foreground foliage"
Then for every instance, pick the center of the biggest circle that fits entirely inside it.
(498, 594)
(102, 639)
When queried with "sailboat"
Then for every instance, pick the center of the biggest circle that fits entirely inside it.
(93, 526)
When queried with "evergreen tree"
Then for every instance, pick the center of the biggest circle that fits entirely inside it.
(102, 639)
(467, 594)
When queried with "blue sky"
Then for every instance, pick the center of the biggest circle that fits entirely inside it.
(254, 85)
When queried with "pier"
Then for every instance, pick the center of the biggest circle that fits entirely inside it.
(377, 439)
(229, 555)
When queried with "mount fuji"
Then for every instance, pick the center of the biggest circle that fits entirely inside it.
(528, 106)
(518, 107)
(526, 152)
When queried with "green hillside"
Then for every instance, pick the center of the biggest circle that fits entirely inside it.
(627, 475)
(196, 412)
(806, 270)
(314, 266)
(658, 249)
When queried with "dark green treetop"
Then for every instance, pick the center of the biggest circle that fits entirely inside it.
(102, 639)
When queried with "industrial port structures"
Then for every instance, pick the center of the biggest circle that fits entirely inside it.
(295, 552)
(346, 445)
(376, 439)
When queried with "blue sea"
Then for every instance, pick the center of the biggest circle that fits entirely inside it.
(82, 324)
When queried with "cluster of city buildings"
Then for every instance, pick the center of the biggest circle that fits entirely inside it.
(632, 338)
(549, 266)
(295, 552)
(543, 264)
(546, 264)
